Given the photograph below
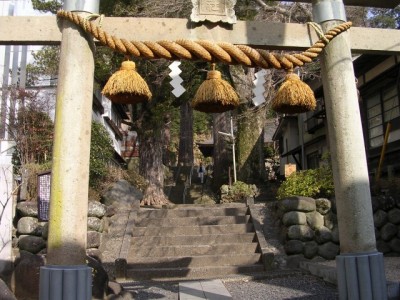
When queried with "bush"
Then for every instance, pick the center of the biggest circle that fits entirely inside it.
(314, 183)
(238, 192)
(101, 152)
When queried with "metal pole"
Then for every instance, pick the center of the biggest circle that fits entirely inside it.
(66, 247)
(359, 265)
(233, 152)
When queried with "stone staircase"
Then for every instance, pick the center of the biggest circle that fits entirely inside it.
(192, 242)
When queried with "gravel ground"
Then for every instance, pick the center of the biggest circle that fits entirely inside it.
(292, 287)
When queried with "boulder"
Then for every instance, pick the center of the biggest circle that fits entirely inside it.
(300, 232)
(25, 278)
(335, 235)
(45, 231)
(96, 209)
(27, 209)
(99, 280)
(323, 235)
(30, 243)
(299, 203)
(93, 239)
(388, 231)
(310, 249)
(294, 218)
(380, 218)
(5, 292)
(315, 220)
(383, 247)
(294, 247)
(328, 250)
(323, 205)
(330, 220)
(124, 194)
(394, 216)
(395, 245)
(94, 224)
(29, 225)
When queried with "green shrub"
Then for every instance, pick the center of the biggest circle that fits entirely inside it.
(315, 183)
(238, 192)
(101, 152)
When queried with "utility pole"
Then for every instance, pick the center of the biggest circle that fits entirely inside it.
(232, 137)
(360, 267)
(66, 275)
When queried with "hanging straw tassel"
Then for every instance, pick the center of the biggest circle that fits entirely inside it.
(294, 96)
(215, 95)
(126, 86)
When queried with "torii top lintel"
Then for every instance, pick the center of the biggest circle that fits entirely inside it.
(365, 3)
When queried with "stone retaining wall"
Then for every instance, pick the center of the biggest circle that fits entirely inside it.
(309, 226)
(31, 234)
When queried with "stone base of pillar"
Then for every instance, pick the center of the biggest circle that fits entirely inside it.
(65, 282)
(361, 276)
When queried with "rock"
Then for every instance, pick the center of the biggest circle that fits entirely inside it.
(380, 218)
(95, 253)
(27, 209)
(25, 278)
(377, 234)
(5, 292)
(293, 261)
(300, 232)
(96, 209)
(294, 218)
(330, 220)
(335, 235)
(383, 247)
(94, 224)
(93, 239)
(394, 216)
(45, 231)
(388, 231)
(99, 280)
(304, 204)
(114, 288)
(323, 235)
(111, 210)
(328, 250)
(323, 205)
(294, 247)
(395, 245)
(29, 225)
(124, 194)
(30, 243)
(315, 220)
(310, 249)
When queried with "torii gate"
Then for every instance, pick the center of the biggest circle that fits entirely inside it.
(360, 266)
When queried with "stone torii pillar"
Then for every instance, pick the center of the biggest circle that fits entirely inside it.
(66, 275)
(360, 268)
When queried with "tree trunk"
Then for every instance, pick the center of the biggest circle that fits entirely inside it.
(185, 155)
(222, 155)
(151, 166)
(250, 129)
(166, 157)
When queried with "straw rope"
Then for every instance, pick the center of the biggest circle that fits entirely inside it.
(205, 50)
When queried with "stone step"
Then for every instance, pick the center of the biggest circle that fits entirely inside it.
(200, 211)
(227, 249)
(147, 241)
(193, 230)
(175, 274)
(191, 221)
(193, 261)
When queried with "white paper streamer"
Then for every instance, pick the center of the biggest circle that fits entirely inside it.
(259, 88)
(176, 79)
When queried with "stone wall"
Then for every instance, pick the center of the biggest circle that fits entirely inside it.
(31, 234)
(309, 226)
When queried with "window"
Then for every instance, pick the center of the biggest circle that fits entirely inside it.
(382, 107)
(313, 160)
